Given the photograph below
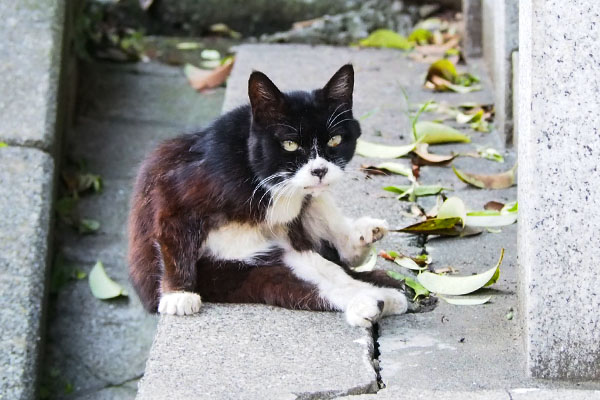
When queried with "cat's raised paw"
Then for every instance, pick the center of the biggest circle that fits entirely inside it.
(179, 303)
(368, 230)
(364, 309)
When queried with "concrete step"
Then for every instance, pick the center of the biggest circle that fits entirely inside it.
(448, 351)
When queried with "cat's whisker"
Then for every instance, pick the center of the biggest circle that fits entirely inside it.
(339, 122)
(286, 125)
(264, 183)
(332, 118)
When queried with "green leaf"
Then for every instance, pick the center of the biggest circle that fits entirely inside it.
(375, 150)
(102, 286)
(419, 289)
(451, 208)
(434, 132)
(442, 68)
(386, 38)
(462, 89)
(409, 263)
(502, 180)
(209, 54)
(490, 221)
(491, 154)
(420, 35)
(88, 225)
(395, 168)
(188, 46)
(3, 144)
(468, 118)
(459, 285)
(432, 226)
(467, 300)
(419, 191)
(393, 253)
(369, 264)
(511, 207)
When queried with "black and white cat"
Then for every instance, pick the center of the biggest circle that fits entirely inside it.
(241, 212)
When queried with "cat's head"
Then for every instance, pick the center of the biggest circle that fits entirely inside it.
(302, 141)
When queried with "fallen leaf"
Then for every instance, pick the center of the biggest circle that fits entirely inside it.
(473, 300)
(383, 168)
(210, 54)
(384, 254)
(102, 286)
(409, 263)
(420, 36)
(427, 158)
(493, 230)
(224, 30)
(491, 154)
(419, 191)
(419, 289)
(369, 264)
(442, 85)
(491, 221)
(445, 270)
(459, 285)
(442, 68)
(3, 144)
(201, 79)
(493, 205)
(188, 46)
(468, 118)
(432, 226)
(451, 208)
(386, 38)
(376, 150)
(497, 181)
(511, 207)
(433, 133)
(88, 225)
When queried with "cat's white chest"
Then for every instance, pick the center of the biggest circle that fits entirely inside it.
(284, 209)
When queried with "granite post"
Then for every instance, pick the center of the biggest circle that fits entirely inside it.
(559, 187)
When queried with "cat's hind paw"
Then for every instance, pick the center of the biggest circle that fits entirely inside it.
(179, 303)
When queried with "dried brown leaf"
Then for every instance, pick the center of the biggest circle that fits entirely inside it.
(426, 158)
(201, 79)
(493, 205)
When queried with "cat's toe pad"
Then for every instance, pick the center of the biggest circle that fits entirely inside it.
(179, 303)
(368, 230)
(363, 310)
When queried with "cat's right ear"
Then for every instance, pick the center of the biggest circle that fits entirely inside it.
(266, 100)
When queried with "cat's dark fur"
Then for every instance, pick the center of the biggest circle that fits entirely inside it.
(195, 184)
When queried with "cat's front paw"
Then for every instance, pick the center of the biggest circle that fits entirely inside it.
(364, 309)
(179, 303)
(367, 230)
(395, 302)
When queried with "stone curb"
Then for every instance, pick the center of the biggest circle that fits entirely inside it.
(31, 54)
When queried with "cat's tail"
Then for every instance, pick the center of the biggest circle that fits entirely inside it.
(143, 256)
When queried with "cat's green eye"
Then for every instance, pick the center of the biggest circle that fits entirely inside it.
(334, 141)
(289, 145)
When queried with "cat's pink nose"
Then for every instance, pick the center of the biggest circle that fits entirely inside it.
(319, 172)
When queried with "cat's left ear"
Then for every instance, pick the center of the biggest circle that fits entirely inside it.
(340, 87)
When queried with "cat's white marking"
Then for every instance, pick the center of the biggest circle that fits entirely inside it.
(286, 205)
(360, 300)
(304, 179)
(324, 220)
(235, 241)
(179, 303)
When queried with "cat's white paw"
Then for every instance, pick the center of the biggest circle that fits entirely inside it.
(395, 302)
(364, 309)
(179, 303)
(367, 230)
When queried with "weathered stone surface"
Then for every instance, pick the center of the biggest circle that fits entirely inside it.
(100, 347)
(254, 351)
(513, 394)
(500, 39)
(471, 10)
(30, 63)
(25, 208)
(559, 230)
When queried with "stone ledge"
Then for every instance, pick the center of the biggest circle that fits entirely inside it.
(26, 177)
(256, 351)
(30, 64)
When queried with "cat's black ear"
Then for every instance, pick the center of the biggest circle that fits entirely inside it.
(266, 100)
(340, 87)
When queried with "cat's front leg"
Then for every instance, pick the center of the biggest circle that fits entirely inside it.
(179, 252)
(362, 302)
(363, 233)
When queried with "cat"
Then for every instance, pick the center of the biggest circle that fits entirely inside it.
(241, 212)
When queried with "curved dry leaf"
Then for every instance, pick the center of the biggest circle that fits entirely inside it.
(473, 300)
(453, 207)
(502, 180)
(369, 264)
(435, 133)
(386, 168)
(201, 79)
(459, 285)
(102, 286)
(493, 205)
(376, 150)
(427, 158)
